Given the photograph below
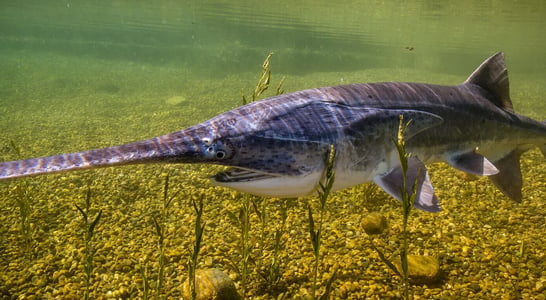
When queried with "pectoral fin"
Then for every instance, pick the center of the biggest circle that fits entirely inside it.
(393, 182)
(473, 163)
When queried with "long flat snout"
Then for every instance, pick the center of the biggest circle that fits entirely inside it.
(177, 147)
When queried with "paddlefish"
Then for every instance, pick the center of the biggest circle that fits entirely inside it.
(276, 147)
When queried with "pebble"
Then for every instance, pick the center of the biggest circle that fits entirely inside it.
(422, 269)
(211, 284)
(374, 223)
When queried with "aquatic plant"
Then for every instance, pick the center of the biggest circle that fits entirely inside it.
(263, 82)
(199, 230)
(161, 259)
(89, 249)
(315, 231)
(271, 271)
(23, 198)
(245, 248)
(24, 202)
(407, 201)
(145, 282)
(159, 230)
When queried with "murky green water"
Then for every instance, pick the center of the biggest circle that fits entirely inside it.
(229, 36)
(85, 74)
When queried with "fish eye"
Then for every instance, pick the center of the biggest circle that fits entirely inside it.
(220, 154)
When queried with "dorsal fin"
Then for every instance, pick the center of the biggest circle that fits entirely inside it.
(492, 76)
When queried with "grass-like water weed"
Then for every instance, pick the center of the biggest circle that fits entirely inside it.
(315, 230)
(89, 249)
(160, 232)
(199, 230)
(259, 205)
(145, 282)
(161, 260)
(246, 248)
(23, 198)
(407, 201)
(273, 272)
(24, 202)
(263, 82)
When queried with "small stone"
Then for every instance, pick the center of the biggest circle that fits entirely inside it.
(422, 269)
(374, 223)
(211, 284)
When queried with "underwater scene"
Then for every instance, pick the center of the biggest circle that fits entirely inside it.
(80, 75)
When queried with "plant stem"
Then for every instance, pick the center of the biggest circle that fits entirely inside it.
(325, 186)
(407, 201)
(89, 250)
(245, 246)
(199, 229)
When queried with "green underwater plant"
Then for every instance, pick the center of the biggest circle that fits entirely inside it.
(145, 282)
(263, 82)
(199, 230)
(272, 269)
(89, 249)
(242, 221)
(407, 202)
(160, 232)
(23, 198)
(315, 231)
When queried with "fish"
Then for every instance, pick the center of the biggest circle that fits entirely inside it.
(276, 147)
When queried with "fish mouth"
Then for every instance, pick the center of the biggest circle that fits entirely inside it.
(267, 184)
(233, 175)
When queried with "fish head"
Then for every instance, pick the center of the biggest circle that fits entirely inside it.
(198, 144)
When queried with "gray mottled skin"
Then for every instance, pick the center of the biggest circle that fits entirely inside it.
(287, 137)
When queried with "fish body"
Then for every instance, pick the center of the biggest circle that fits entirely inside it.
(277, 146)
